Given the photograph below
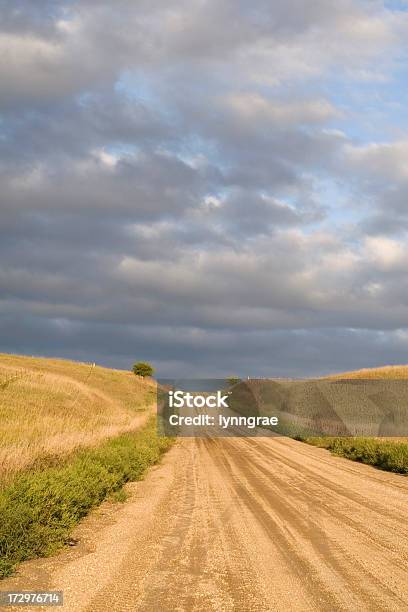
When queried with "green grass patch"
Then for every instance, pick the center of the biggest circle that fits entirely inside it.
(390, 456)
(39, 508)
(119, 496)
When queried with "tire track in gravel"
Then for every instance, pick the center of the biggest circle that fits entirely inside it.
(240, 524)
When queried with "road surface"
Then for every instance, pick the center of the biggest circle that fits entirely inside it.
(240, 524)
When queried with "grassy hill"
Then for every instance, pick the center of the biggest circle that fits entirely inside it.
(361, 415)
(51, 407)
(388, 372)
(363, 403)
(389, 454)
(71, 435)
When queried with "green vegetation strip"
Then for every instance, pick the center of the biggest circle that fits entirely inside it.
(390, 456)
(39, 509)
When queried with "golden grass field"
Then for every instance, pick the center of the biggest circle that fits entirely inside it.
(393, 372)
(330, 406)
(51, 407)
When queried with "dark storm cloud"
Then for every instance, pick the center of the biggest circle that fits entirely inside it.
(144, 186)
(381, 168)
(250, 353)
(167, 174)
(24, 16)
(74, 127)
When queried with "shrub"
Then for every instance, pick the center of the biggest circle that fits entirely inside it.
(142, 368)
(233, 380)
(386, 455)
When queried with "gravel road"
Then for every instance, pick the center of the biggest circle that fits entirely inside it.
(240, 524)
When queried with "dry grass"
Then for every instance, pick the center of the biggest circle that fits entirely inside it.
(310, 407)
(51, 407)
(392, 372)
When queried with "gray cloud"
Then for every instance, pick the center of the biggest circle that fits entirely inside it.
(178, 184)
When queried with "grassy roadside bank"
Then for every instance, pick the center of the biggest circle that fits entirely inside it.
(386, 455)
(390, 455)
(51, 408)
(39, 508)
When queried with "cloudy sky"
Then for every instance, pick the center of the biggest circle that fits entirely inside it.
(216, 186)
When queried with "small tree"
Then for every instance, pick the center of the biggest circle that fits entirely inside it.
(233, 380)
(141, 368)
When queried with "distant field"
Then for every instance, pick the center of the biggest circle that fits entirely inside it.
(361, 415)
(389, 454)
(393, 372)
(51, 407)
(365, 403)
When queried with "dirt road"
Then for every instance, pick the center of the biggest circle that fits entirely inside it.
(241, 524)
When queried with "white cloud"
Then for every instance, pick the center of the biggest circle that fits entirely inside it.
(255, 107)
(386, 253)
(388, 160)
